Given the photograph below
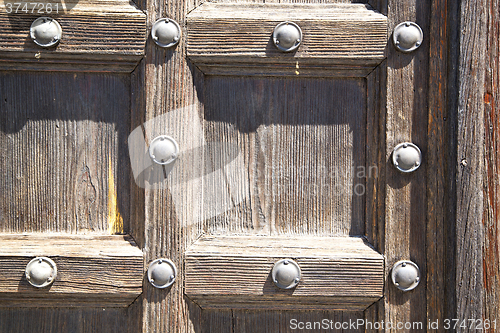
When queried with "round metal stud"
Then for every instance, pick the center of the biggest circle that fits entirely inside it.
(163, 150)
(162, 273)
(287, 36)
(407, 37)
(166, 32)
(406, 157)
(41, 272)
(45, 32)
(286, 274)
(405, 275)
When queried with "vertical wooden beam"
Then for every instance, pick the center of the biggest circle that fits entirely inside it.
(439, 165)
(469, 284)
(169, 83)
(491, 252)
(405, 202)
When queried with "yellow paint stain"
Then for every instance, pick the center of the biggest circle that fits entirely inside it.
(115, 220)
(297, 68)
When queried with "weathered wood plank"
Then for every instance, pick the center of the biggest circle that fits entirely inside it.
(91, 270)
(491, 252)
(222, 38)
(170, 83)
(234, 272)
(63, 152)
(440, 170)
(69, 320)
(302, 141)
(470, 267)
(94, 33)
(405, 199)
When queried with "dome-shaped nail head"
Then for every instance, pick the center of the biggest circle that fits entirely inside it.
(286, 274)
(163, 150)
(405, 275)
(162, 273)
(407, 37)
(45, 31)
(40, 272)
(407, 157)
(287, 36)
(166, 32)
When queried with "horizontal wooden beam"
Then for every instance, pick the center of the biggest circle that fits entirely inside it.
(92, 271)
(105, 36)
(236, 39)
(343, 273)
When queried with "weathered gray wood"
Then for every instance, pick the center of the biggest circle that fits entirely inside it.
(470, 219)
(69, 320)
(234, 39)
(170, 83)
(63, 152)
(234, 272)
(491, 260)
(92, 271)
(440, 165)
(405, 199)
(98, 36)
(303, 142)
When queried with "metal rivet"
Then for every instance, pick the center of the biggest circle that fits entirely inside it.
(163, 150)
(45, 32)
(405, 275)
(166, 32)
(162, 273)
(407, 36)
(41, 272)
(287, 36)
(286, 274)
(406, 157)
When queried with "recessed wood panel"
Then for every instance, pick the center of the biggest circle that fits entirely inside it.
(234, 272)
(92, 271)
(302, 146)
(63, 152)
(236, 39)
(99, 36)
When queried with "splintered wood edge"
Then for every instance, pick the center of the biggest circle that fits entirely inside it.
(223, 39)
(92, 270)
(234, 272)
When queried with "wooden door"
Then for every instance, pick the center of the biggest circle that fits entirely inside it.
(282, 155)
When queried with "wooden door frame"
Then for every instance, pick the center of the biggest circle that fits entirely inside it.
(461, 179)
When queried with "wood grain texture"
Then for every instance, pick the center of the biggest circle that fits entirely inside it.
(470, 232)
(92, 271)
(62, 152)
(89, 320)
(440, 160)
(491, 252)
(234, 272)
(235, 39)
(376, 185)
(405, 199)
(170, 83)
(302, 142)
(97, 36)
